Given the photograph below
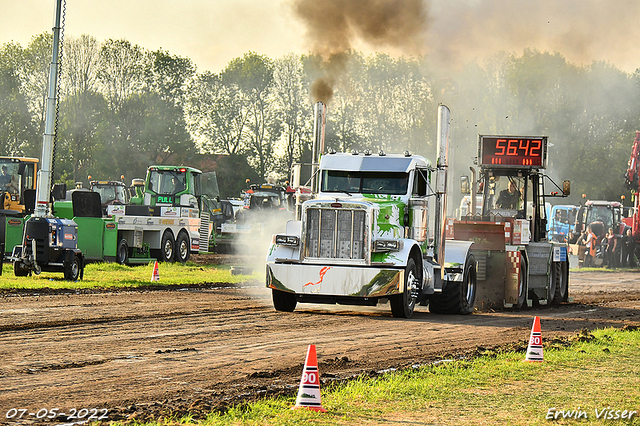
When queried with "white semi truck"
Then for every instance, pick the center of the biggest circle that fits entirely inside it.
(364, 237)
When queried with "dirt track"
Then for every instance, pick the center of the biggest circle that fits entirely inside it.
(158, 352)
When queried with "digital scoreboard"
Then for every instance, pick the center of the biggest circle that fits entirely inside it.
(513, 151)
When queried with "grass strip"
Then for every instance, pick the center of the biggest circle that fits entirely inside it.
(109, 275)
(589, 382)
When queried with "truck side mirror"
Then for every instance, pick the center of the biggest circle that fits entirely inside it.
(465, 187)
(566, 187)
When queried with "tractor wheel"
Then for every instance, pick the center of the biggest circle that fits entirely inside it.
(402, 305)
(167, 247)
(72, 269)
(183, 248)
(562, 283)
(122, 253)
(522, 287)
(458, 297)
(553, 283)
(283, 301)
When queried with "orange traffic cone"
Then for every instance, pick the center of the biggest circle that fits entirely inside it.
(309, 391)
(534, 351)
(156, 275)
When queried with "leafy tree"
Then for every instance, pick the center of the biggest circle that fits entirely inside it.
(215, 114)
(253, 75)
(293, 108)
(16, 130)
(121, 71)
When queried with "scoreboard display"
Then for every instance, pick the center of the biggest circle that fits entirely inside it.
(513, 151)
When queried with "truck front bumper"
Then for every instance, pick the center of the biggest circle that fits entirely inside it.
(349, 281)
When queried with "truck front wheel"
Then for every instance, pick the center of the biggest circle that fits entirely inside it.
(402, 305)
(283, 301)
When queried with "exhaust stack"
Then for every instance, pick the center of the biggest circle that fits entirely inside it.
(441, 182)
(319, 122)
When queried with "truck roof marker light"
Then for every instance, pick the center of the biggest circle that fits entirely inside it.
(367, 152)
(407, 154)
(381, 153)
(182, 170)
(354, 152)
(331, 151)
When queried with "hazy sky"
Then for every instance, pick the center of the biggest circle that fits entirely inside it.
(212, 32)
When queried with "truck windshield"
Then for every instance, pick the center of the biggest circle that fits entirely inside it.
(112, 194)
(167, 182)
(394, 183)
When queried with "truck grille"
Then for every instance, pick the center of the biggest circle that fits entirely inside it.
(335, 234)
(204, 232)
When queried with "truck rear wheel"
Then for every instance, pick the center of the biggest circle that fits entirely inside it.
(183, 248)
(458, 297)
(402, 305)
(167, 245)
(283, 301)
(122, 253)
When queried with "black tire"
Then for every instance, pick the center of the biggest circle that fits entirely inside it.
(522, 287)
(403, 305)
(19, 271)
(553, 283)
(72, 269)
(183, 248)
(283, 301)
(458, 297)
(562, 283)
(167, 247)
(122, 253)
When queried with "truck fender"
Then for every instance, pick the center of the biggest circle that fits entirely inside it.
(455, 256)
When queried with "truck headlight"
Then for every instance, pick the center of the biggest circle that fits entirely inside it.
(287, 240)
(387, 245)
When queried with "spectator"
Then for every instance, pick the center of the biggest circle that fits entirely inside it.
(612, 243)
(628, 249)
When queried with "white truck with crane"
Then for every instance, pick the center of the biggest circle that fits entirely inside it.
(364, 236)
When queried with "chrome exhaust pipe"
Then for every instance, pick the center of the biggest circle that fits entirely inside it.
(442, 164)
(319, 122)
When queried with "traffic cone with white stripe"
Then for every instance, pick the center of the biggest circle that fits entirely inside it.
(309, 391)
(534, 351)
(155, 276)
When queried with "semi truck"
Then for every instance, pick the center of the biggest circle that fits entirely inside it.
(518, 265)
(364, 236)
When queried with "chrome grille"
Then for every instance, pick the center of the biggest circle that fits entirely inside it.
(335, 234)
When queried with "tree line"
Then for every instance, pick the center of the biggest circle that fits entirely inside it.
(123, 108)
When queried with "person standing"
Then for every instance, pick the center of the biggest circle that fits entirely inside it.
(611, 249)
(628, 249)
